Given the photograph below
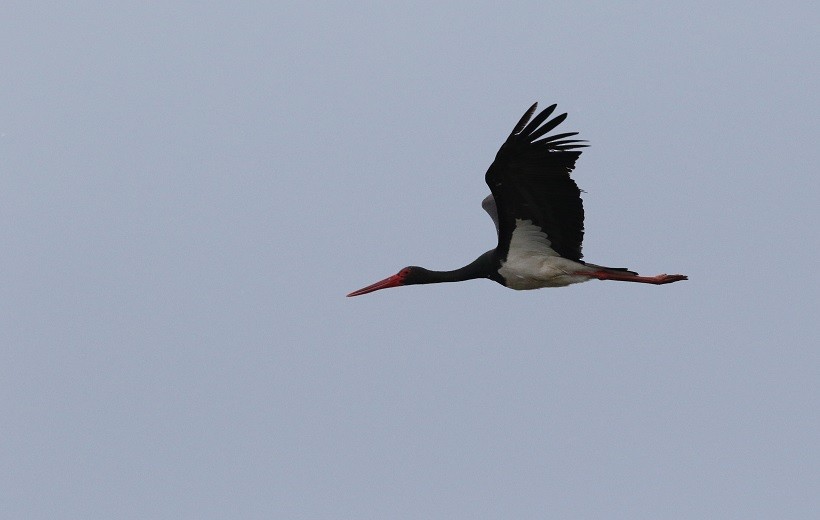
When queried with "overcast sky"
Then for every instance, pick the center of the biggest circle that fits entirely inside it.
(188, 191)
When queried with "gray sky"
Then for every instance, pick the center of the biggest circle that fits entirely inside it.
(187, 193)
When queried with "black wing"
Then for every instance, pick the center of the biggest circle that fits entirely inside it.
(529, 180)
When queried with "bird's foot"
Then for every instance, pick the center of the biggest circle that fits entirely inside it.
(668, 278)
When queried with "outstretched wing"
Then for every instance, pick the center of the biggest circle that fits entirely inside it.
(529, 180)
(489, 206)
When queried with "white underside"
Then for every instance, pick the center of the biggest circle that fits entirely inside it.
(532, 263)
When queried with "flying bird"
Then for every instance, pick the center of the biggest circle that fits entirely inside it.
(538, 214)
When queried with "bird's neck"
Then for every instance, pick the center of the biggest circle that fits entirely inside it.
(485, 266)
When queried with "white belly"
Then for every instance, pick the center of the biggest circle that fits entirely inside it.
(532, 263)
(535, 273)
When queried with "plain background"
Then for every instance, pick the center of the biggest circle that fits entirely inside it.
(188, 190)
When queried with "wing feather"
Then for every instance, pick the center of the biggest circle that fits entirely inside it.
(547, 127)
(540, 118)
(489, 206)
(530, 180)
(526, 117)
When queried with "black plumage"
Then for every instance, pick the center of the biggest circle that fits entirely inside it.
(530, 180)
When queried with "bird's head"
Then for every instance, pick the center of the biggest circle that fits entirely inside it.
(410, 275)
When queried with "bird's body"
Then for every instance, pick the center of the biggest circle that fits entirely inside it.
(538, 214)
(532, 264)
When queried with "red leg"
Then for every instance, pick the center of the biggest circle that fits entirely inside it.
(626, 277)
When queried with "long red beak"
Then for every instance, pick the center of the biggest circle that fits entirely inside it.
(391, 281)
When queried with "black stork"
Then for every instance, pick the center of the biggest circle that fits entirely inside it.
(538, 214)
